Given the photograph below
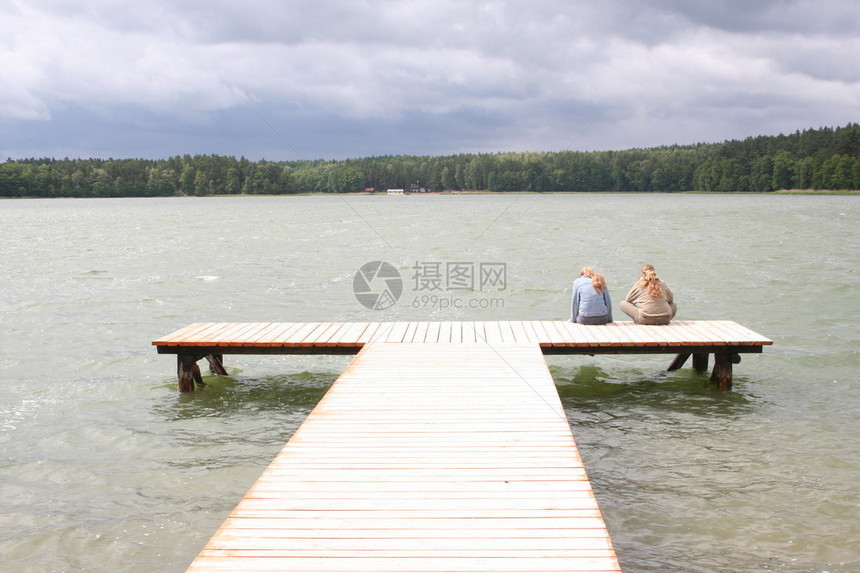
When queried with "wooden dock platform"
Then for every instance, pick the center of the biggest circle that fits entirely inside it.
(424, 457)
(725, 339)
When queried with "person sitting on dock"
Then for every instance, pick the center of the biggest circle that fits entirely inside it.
(650, 301)
(591, 303)
(585, 276)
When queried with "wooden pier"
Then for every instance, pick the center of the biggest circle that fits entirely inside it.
(725, 339)
(424, 457)
(442, 447)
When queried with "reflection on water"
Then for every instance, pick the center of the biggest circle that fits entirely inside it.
(245, 395)
(590, 388)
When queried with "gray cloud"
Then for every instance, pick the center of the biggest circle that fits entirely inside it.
(371, 77)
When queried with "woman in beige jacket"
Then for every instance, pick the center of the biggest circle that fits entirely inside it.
(649, 301)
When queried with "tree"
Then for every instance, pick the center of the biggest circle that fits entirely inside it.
(201, 185)
(233, 183)
(783, 171)
(186, 182)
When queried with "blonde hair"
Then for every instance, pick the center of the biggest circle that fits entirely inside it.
(598, 282)
(646, 268)
(586, 272)
(652, 281)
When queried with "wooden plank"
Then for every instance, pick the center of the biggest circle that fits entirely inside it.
(228, 336)
(456, 332)
(744, 335)
(202, 338)
(212, 329)
(557, 336)
(370, 332)
(397, 332)
(729, 335)
(298, 335)
(281, 336)
(522, 335)
(659, 334)
(679, 333)
(587, 334)
(687, 336)
(350, 335)
(582, 334)
(507, 332)
(179, 335)
(250, 333)
(616, 331)
(611, 334)
(540, 332)
(411, 328)
(334, 330)
(263, 334)
(403, 564)
(382, 332)
(271, 539)
(432, 332)
(634, 332)
(492, 333)
(474, 332)
(325, 338)
(531, 332)
(335, 550)
(420, 331)
(315, 334)
(707, 332)
(444, 332)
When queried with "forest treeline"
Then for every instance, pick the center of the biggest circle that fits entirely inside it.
(824, 158)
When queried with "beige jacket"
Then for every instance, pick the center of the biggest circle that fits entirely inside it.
(639, 297)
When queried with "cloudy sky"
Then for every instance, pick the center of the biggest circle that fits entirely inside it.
(307, 79)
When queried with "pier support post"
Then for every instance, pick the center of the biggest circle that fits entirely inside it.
(678, 362)
(722, 373)
(700, 362)
(216, 364)
(188, 372)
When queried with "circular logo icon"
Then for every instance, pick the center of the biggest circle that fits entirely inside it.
(377, 285)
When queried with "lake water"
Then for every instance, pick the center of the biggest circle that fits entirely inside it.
(105, 467)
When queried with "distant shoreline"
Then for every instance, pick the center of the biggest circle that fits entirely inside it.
(478, 192)
(817, 192)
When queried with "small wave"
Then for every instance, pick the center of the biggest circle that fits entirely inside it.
(208, 278)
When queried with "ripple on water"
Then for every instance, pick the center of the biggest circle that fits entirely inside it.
(103, 463)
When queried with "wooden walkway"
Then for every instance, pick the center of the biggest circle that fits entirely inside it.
(424, 457)
(725, 339)
(443, 447)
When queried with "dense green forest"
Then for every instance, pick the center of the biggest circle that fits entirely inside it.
(824, 158)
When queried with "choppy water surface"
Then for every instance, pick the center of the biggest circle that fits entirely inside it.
(105, 467)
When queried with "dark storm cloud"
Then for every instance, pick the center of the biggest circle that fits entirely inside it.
(340, 79)
(766, 16)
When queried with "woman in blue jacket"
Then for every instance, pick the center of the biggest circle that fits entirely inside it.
(591, 303)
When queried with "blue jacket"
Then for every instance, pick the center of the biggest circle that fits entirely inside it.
(588, 302)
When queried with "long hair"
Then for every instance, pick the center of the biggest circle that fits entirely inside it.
(586, 272)
(598, 282)
(652, 281)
